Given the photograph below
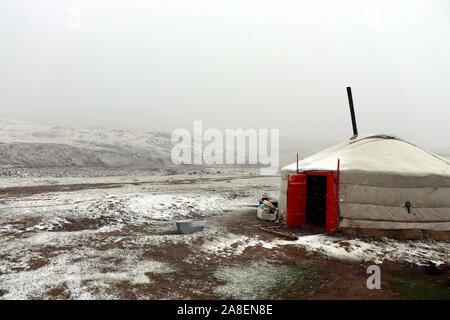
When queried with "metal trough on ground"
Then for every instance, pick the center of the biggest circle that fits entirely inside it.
(190, 226)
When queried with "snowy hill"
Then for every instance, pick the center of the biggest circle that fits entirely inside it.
(30, 145)
(26, 144)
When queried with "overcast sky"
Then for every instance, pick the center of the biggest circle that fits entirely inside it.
(160, 65)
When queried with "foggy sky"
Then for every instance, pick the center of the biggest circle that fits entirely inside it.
(160, 65)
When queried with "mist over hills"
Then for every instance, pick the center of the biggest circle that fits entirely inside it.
(24, 144)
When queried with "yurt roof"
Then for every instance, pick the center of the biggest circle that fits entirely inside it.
(377, 153)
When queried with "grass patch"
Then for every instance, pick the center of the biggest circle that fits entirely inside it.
(264, 280)
(166, 233)
(422, 287)
(296, 281)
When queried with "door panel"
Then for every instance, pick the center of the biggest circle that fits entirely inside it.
(296, 200)
(332, 203)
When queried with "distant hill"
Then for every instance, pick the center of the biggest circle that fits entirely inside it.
(26, 144)
(31, 145)
(289, 148)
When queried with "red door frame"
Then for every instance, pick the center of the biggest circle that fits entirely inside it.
(296, 205)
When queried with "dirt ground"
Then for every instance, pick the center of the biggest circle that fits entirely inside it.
(335, 279)
(118, 254)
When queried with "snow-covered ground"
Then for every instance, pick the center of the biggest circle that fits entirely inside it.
(82, 219)
(341, 248)
(414, 252)
(97, 238)
(85, 244)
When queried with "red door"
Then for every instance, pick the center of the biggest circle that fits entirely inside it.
(332, 203)
(296, 200)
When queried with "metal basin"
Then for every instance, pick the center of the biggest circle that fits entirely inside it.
(190, 226)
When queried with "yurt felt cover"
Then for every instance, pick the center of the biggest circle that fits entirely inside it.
(378, 175)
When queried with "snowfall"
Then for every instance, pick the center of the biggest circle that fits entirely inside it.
(120, 232)
(90, 240)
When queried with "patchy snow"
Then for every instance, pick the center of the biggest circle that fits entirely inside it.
(262, 279)
(411, 251)
(82, 244)
(165, 207)
(232, 244)
(47, 239)
(79, 273)
(251, 281)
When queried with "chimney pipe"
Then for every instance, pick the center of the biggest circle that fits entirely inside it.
(352, 112)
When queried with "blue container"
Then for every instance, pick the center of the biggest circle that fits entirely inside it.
(190, 226)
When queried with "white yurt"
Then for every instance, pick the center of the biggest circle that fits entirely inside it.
(384, 186)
